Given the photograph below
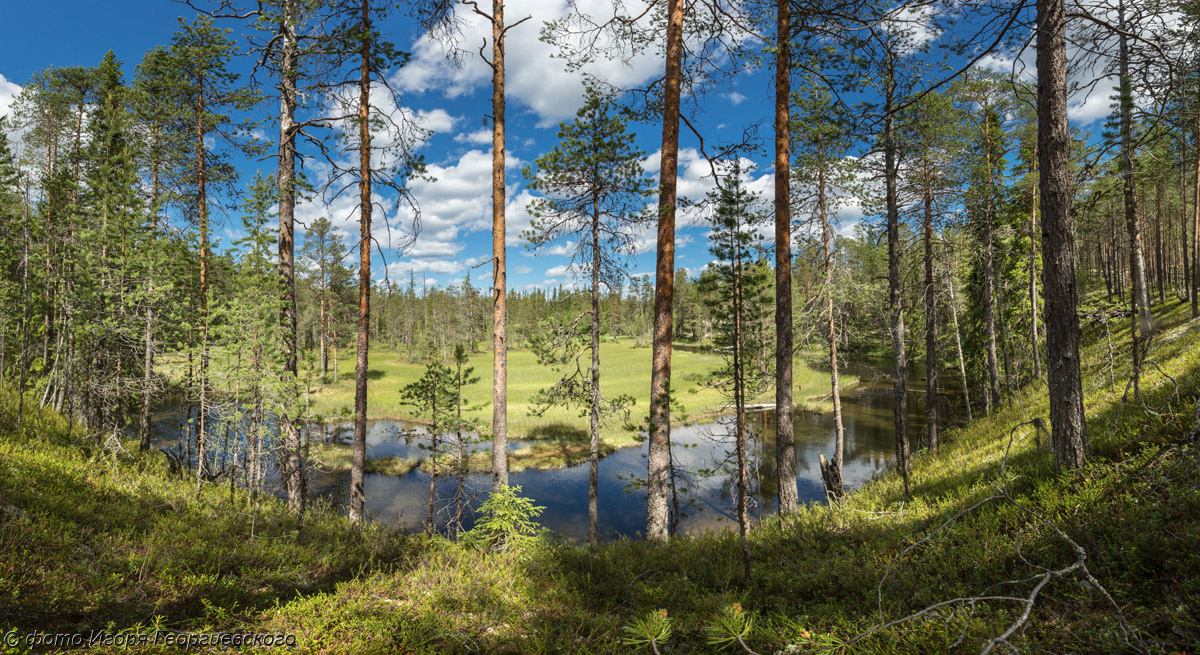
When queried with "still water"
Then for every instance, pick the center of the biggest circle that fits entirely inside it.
(702, 453)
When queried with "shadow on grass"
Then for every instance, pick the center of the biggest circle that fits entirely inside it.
(561, 432)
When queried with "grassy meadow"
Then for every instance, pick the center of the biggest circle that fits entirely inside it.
(95, 538)
(625, 369)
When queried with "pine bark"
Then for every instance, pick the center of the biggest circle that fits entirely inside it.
(202, 212)
(895, 297)
(293, 469)
(832, 475)
(359, 455)
(659, 458)
(594, 427)
(989, 271)
(785, 448)
(1065, 385)
(499, 272)
(931, 367)
(1140, 302)
(1033, 303)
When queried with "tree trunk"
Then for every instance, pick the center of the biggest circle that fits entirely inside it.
(962, 366)
(1065, 386)
(1033, 303)
(739, 399)
(1140, 321)
(989, 271)
(293, 469)
(358, 458)
(895, 297)
(658, 459)
(499, 272)
(594, 431)
(832, 476)
(785, 449)
(1159, 265)
(931, 371)
(148, 335)
(202, 212)
(1194, 282)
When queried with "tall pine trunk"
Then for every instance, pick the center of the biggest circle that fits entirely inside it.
(989, 270)
(832, 475)
(895, 297)
(202, 212)
(930, 292)
(594, 427)
(293, 469)
(1065, 384)
(148, 334)
(962, 366)
(785, 449)
(1140, 302)
(499, 272)
(1033, 303)
(658, 461)
(358, 458)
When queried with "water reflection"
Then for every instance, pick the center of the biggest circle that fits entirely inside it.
(701, 453)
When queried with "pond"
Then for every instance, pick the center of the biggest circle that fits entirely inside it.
(702, 454)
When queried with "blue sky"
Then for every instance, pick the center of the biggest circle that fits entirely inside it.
(452, 103)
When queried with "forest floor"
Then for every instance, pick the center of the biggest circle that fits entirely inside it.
(1104, 559)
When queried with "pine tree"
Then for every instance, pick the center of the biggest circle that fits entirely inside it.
(593, 187)
(738, 297)
(206, 94)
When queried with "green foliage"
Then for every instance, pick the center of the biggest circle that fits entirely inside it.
(731, 627)
(652, 629)
(506, 522)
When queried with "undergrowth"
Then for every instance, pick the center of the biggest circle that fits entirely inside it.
(91, 539)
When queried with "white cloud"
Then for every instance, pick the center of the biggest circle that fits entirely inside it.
(522, 270)
(561, 271)
(536, 78)
(8, 95)
(479, 138)
(734, 98)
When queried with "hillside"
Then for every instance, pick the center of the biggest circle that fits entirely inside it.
(94, 538)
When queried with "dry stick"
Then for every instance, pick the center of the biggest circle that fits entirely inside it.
(1043, 578)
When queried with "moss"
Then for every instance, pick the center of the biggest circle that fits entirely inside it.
(91, 540)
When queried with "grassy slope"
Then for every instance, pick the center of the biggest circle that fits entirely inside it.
(623, 371)
(100, 542)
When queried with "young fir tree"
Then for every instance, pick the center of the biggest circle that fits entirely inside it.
(594, 189)
(738, 296)
(251, 317)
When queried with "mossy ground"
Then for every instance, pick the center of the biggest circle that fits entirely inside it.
(92, 540)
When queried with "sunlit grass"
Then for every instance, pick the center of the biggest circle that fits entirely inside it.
(92, 539)
(625, 370)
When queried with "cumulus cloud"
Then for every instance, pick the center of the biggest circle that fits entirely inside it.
(536, 79)
(8, 95)
(478, 138)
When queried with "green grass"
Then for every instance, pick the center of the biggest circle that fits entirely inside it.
(94, 540)
(624, 371)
